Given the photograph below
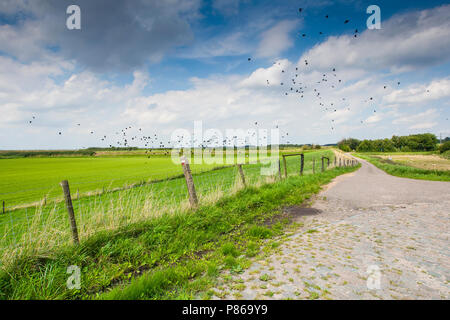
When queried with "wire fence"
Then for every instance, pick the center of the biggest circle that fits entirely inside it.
(47, 224)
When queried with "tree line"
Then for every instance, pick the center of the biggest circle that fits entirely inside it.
(414, 142)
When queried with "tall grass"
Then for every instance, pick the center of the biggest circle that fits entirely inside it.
(400, 170)
(37, 230)
(178, 252)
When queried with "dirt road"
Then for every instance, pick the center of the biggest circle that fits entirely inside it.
(369, 236)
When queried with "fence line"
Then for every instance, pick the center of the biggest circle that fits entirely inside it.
(110, 210)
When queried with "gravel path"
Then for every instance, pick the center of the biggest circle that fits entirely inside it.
(369, 236)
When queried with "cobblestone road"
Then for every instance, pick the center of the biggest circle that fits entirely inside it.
(369, 236)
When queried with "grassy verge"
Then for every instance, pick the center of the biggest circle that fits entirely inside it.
(401, 170)
(28, 230)
(173, 256)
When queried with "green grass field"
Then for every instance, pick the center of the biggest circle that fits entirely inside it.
(175, 254)
(145, 228)
(27, 180)
(46, 224)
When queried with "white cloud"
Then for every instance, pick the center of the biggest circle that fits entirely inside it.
(277, 39)
(404, 43)
(425, 116)
(115, 37)
(424, 125)
(374, 118)
(60, 95)
(420, 93)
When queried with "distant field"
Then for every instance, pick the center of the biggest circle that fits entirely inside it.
(427, 162)
(46, 225)
(420, 165)
(25, 181)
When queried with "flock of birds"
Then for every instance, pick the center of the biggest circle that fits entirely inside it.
(293, 84)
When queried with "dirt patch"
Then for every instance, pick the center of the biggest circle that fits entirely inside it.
(301, 211)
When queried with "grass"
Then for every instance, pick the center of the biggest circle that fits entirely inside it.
(405, 171)
(47, 225)
(173, 255)
(427, 162)
(27, 180)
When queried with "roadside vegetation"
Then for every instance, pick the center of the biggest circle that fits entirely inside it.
(44, 225)
(174, 254)
(413, 169)
(28, 180)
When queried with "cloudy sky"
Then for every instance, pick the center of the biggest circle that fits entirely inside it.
(161, 65)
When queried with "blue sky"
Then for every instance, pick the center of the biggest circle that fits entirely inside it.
(161, 65)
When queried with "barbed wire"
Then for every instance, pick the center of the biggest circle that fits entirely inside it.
(109, 210)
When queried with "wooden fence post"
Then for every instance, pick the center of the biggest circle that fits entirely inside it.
(189, 182)
(65, 186)
(302, 163)
(323, 169)
(340, 162)
(328, 162)
(285, 167)
(279, 167)
(241, 172)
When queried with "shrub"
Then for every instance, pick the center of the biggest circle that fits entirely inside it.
(446, 154)
(345, 148)
(444, 147)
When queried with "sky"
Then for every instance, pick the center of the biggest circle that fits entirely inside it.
(151, 67)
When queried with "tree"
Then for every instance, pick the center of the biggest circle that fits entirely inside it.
(350, 143)
(365, 146)
(444, 147)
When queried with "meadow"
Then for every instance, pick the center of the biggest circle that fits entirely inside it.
(45, 224)
(28, 180)
(413, 165)
(146, 242)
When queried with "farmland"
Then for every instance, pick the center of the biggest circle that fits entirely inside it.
(27, 180)
(148, 228)
(427, 162)
(102, 202)
(414, 165)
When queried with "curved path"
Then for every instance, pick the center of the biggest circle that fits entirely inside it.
(370, 236)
